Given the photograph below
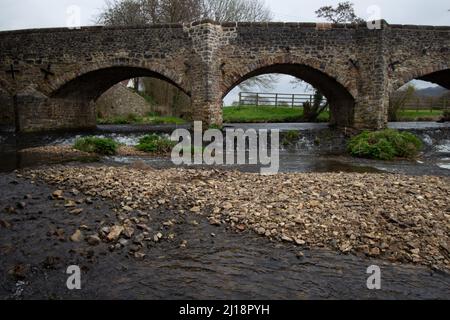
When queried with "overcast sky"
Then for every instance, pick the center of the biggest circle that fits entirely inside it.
(24, 14)
(21, 14)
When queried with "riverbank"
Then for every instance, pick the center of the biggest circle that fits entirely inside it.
(39, 239)
(393, 217)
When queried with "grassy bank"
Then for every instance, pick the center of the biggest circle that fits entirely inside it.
(149, 119)
(253, 114)
(265, 114)
(419, 115)
(261, 114)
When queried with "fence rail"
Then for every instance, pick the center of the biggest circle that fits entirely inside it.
(424, 103)
(297, 100)
(274, 99)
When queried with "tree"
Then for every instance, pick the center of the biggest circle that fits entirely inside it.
(342, 13)
(399, 100)
(311, 111)
(143, 12)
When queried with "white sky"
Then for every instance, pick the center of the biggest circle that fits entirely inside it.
(24, 14)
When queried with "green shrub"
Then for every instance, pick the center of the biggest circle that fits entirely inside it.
(155, 143)
(103, 146)
(290, 137)
(384, 145)
(215, 126)
(446, 115)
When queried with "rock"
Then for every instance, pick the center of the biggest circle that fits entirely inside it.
(299, 242)
(240, 227)
(5, 224)
(345, 247)
(57, 193)
(261, 231)
(10, 209)
(375, 251)
(70, 204)
(76, 211)
(77, 236)
(300, 255)
(227, 205)
(114, 233)
(183, 244)
(168, 224)
(195, 209)
(19, 272)
(128, 232)
(123, 242)
(127, 208)
(21, 205)
(93, 240)
(139, 239)
(143, 227)
(286, 238)
(157, 237)
(139, 255)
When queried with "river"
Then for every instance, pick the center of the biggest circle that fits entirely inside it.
(218, 263)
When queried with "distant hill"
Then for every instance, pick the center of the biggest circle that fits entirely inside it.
(431, 92)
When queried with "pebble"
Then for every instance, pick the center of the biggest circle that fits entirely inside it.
(114, 233)
(77, 236)
(331, 210)
(93, 240)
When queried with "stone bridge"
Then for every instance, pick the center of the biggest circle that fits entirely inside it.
(50, 78)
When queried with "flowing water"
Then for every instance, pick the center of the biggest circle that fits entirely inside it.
(227, 265)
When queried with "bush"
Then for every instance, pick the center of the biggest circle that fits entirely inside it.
(155, 143)
(103, 146)
(446, 115)
(290, 137)
(385, 145)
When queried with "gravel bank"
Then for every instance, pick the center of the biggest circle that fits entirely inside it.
(394, 217)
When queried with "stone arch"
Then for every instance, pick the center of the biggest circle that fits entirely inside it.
(438, 73)
(90, 81)
(339, 89)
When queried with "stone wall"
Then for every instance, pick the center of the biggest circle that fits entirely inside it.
(56, 74)
(7, 117)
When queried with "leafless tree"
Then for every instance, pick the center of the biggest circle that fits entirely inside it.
(344, 12)
(143, 12)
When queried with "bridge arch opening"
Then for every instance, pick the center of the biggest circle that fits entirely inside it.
(124, 92)
(420, 96)
(340, 100)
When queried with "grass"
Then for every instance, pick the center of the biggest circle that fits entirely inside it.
(104, 146)
(148, 119)
(252, 114)
(153, 143)
(385, 145)
(419, 115)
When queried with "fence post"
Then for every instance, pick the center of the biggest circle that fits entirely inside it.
(257, 99)
(240, 98)
(293, 100)
(276, 99)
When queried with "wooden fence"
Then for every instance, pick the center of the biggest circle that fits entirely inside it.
(274, 99)
(425, 103)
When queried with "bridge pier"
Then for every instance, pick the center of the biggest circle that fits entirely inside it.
(37, 112)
